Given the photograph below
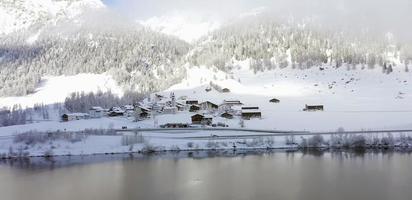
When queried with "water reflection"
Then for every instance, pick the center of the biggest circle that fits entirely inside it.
(275, 174)
(67, 161)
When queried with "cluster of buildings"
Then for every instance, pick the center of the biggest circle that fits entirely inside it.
(202, 112)
(99, 112)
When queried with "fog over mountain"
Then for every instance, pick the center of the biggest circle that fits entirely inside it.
(374, 16)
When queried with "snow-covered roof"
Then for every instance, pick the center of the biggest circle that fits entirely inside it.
(180, 102)
(236, 107)
(77, 114)
(251, 111)
(231, 101)
(129, 107)
(144, 108)
(169, 108)
(208, 102)
(97, 108)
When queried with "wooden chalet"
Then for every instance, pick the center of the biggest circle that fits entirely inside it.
(194, 108)
(202, 119)
(251, 112)
(207, 105)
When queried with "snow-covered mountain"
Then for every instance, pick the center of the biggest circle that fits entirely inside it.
(17, 15)
(75, 37)
(62, 38)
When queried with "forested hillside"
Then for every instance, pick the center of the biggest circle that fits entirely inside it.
(139, 59)
(144, 61)
(271, 44)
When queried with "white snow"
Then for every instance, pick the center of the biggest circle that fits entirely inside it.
(54, 89)
(76, 125)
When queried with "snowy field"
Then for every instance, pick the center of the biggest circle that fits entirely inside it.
(353, 100)
(54, 89)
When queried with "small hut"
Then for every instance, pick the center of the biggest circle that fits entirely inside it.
(274, 100)
(225, 90)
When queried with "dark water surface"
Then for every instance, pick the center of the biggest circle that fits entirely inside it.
(212, 176)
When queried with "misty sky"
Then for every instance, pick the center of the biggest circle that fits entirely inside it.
(374, 15)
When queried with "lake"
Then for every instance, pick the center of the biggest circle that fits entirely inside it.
(308, 175)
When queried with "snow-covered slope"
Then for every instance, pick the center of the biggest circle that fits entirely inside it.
(54, 89)
(353, 99)
(17, 15)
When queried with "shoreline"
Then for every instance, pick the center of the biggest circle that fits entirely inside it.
(224, 150)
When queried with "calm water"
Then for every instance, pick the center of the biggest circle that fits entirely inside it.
(267, 175)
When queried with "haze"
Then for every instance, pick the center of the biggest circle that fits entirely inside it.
(377, 16)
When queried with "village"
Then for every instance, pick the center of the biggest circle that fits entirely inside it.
(187, 112)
